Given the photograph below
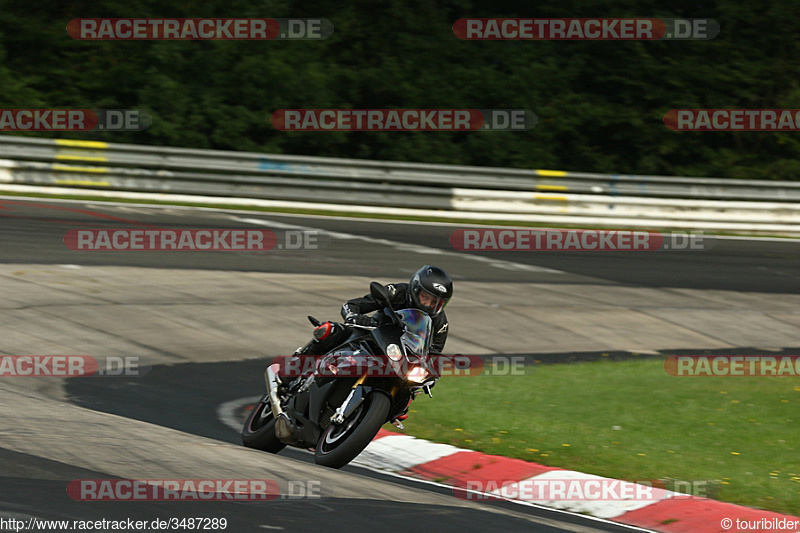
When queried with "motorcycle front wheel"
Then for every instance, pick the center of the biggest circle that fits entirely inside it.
(341, 443)
(259, 430)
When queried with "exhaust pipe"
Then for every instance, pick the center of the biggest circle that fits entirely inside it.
(273, 382)
(284, 428)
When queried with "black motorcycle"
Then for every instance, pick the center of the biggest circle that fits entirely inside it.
(361, 383)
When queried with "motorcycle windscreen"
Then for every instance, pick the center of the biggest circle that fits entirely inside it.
(417, 337)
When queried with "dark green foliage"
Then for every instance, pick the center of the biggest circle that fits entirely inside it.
(600, 104)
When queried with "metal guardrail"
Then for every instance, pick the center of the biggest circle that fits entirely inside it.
(676, 201)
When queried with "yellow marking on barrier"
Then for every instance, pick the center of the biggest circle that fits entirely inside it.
(552, 188)
(552, 173)
(550, 197)
(79, 169)
(72, 157)
(82, 144)
(83, 182)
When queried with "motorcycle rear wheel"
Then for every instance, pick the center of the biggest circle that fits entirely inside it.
(259, 430)
(341, 443)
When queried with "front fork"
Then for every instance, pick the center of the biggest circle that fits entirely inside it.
(350, 403)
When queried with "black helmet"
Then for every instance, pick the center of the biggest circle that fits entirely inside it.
(430, 289)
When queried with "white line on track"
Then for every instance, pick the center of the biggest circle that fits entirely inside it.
(120, 194)
(226, 412)
(401, 246)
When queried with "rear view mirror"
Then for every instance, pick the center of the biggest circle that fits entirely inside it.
(380, 293)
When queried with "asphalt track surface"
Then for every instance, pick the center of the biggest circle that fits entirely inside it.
(38, 490)
(32, 232)
(185, 397)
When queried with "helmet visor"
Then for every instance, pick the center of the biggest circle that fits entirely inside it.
(430, 302)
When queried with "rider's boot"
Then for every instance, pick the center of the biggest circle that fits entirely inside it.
(398, 421)
(308, 349)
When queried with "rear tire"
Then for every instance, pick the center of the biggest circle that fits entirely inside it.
(338, 446)
(259, 431)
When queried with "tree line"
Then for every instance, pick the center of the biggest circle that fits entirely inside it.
(600, 104)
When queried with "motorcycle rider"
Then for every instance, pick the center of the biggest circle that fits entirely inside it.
(429, 289)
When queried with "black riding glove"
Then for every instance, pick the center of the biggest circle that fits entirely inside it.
(361, 320)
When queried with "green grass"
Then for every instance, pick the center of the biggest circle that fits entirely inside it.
(743, 433)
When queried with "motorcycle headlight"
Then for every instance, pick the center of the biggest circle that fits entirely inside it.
(394, 352)
(417, 374)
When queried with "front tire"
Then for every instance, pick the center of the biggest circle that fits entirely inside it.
(341, 443)
(259, 430)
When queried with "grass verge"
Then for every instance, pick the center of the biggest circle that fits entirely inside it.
(630, 420)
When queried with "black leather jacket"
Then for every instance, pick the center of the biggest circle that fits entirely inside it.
(398, 295)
